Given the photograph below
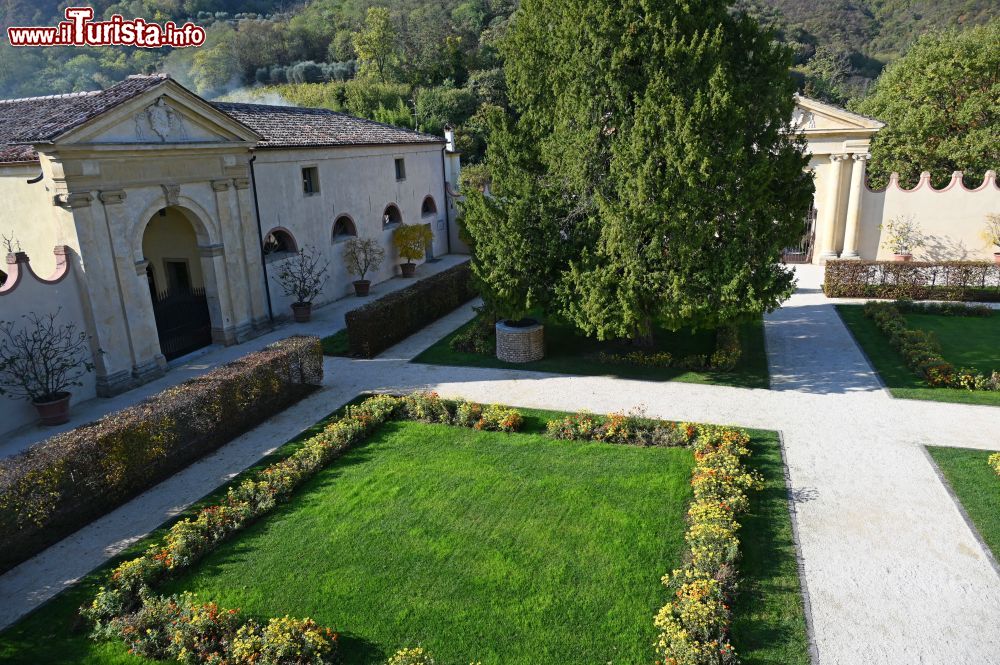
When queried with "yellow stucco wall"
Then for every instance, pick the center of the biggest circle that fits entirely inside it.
(26, 211)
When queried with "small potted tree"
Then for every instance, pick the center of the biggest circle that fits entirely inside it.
(902, 236)
(302, 276)
(40, 360)
(360, 256)
(992, 234)
(410, 241)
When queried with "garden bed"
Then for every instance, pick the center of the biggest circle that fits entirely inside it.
(966, 341)
(977, 486)
(555, 556)
(569, 352)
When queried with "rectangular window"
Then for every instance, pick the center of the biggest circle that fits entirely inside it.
(310, 180)
(400, 169)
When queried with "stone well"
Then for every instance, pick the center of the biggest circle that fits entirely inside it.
(520, 344)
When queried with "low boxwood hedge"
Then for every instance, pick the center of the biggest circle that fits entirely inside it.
(58, 485)
(375, 327)
(914, 280)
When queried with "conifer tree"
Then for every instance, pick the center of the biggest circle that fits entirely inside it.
(650, 174)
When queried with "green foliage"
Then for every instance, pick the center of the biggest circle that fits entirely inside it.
(410, 240)
(444, 105)
(941, 102)
(375, 43)
(645, 178)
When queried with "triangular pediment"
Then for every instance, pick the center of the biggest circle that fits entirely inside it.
(166, 114)
(814, 116)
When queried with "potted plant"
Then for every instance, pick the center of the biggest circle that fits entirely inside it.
(410, 241)
(40, 360)
(992, 234)
(902, 236)
(302, 277)
(360, 256)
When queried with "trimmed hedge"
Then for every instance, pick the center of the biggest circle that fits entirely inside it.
(921, 350)
(60, 484)
(915, 280)
(375, 327)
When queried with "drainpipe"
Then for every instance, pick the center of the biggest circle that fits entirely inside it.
(444, 187)
(260, 241)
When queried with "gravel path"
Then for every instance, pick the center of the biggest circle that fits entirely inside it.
(894, 573)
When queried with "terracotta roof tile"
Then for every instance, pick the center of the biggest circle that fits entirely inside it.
(33, 120)
(41, 119)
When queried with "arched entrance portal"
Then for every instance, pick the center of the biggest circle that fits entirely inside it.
(176, 283)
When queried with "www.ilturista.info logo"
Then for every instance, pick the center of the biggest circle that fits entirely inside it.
(80, 30)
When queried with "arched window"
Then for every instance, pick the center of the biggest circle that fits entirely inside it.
(343, 228)
(428, 207)
(278, 244)
(391, 216)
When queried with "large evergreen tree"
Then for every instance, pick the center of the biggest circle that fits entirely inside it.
(650, 174)
(941, 105)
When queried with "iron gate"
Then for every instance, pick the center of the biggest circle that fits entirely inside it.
(803, 251)
(182, 322)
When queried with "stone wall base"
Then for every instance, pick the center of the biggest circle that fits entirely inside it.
(520, 344)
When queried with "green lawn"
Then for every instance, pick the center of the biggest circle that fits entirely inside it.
(505, 548)
(569, 352)
(336, 344)
(977, 486)
(967, 341)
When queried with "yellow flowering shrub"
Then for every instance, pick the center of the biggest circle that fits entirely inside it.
(694, 625)
(284, 641)
(411, 656)
(995, 462)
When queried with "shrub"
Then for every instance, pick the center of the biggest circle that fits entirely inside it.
(727, 354)
(994, 461)
(378, 325)
(634, 428)
(921, 351)
(285, 641)
(362, 255)
(412, 656)
(41, 360)
(410, 240)
(60, 484)
(916, 280)
(303, 275)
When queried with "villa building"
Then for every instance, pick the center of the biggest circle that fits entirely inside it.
(167, 210)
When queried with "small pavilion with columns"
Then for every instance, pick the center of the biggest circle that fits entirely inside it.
(838, 142)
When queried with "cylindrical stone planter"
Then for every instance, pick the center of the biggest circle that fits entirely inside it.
(520, 343)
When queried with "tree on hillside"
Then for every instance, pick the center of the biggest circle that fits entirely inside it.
(941, 103)
(375, 43)
(650, 175)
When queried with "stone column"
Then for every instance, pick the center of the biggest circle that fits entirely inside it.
(831, 208)
(853, 228)
(102, 305)
(147, 361)
(217, 293)
(235, 267)
(251, 253)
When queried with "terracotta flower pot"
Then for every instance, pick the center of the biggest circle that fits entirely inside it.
(361, 287)
(902, 257)
(54, 412)
(301, 311)
(408, 269)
